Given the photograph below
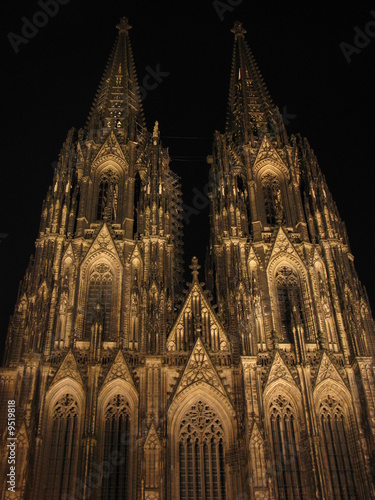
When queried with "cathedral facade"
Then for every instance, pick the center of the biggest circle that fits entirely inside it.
(126, 382)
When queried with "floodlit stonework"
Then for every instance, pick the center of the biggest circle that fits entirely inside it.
(258, 385)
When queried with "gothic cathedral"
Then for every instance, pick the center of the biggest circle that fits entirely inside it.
(129, 384)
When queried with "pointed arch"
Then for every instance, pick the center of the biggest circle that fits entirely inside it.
(271, 177)
(117, 416)
(323, 304)
(100, 275)
(136, 203)
(201, 430)
(343, 463)
(290, 294)
(62, 432)
(289, 446)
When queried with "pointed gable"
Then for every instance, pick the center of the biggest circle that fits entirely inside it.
(256, 437)
(279, 370)
(119, 370)
(103, 244)
(199, 369)
(268, 152)
(215, 339)
(327, 371)
(69, 254)
(68, 369)
(152, 441)
(111, 147)
(283, 247)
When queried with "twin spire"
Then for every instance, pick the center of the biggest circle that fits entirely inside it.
(118, 103)
(251, 112)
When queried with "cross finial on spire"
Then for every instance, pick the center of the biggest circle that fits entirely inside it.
(238, 30)
(194, 269)
(156, 133)
(124, 25)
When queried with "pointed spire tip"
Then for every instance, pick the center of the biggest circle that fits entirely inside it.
(124, 25)
(238, 30)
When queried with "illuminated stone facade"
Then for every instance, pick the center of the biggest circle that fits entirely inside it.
(260, 386)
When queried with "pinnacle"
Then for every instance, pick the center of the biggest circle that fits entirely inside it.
(124, 25)
(238, 30)
(195, 269)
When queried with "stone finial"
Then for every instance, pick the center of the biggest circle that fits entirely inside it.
(195, 269)
(124, 25)
(238, 30)
(156, 134)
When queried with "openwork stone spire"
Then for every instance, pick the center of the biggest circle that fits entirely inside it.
(118, 101)
(251, 113)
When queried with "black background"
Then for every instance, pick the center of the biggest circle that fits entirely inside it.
(49, 86)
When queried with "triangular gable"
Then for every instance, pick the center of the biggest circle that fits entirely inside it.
(327, 371)
(199, 368)
(253, 256)
(282, 244)
(22, 437)
(69, 252)
(103, 242)
(255, 435)
(279, 370)
(136, 254)
(119, 370)
(111, 146)
(267, 151)
(172, 344)
(68, 369)
(152, 441)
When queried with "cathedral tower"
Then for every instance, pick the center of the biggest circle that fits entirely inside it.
(260, 386)
(298, 320)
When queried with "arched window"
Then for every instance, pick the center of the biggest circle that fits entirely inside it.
(287, 463)
(63, 449)
(272, 199)
(244, 201)
(108, 196)
(201, 455)
(290, 303)
(335, 442)
(137, 196)
(100, 291)
(116, 443)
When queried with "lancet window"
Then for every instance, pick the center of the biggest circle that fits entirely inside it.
(336, 443)
(272, 199)
(100, 292)
(201, 455)
(64, 448)
(137, 196)
(108, 196)
(284, 439)
(290, 303)
(116, 443)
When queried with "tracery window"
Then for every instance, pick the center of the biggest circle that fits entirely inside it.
(290, 303)
(136, 202)
(116, 443)
(100, 291)
(108, 196)
(272, 199)
(287, 463)
(201, 455)
(335, 440)
(64, 448)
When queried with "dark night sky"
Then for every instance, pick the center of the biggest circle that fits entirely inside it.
(48, 87)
